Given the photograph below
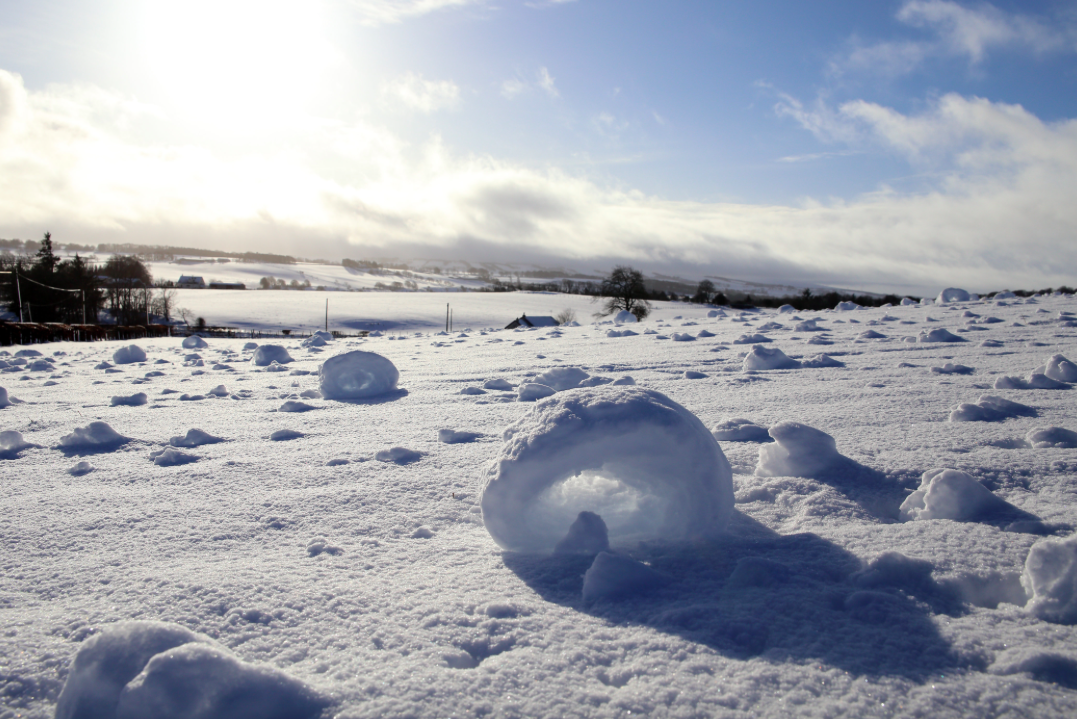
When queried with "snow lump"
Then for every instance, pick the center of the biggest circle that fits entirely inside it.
(1050, 579)
(266, 355)
(129, 355)
(637, 459)
(798, 451)
(357, 374)
(950, 494)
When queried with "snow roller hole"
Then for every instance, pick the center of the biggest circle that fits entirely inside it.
(640, 461)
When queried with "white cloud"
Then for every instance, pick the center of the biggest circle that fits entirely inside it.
(1002, 215)
(513, 87)
(957, 31)
(384, 12)
(423, 95)
(546, 82)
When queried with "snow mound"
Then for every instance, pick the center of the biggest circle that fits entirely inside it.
(871, 335)
(357, 374)
(171, 457)
(990, 409)
(786, 309)
(939, 334)
(950, 494)
(294, 406)
(129, 355)
(533, 391)
(798, 451)
(250, 346)
(398, 455)
(138, 670)
(1043, 666)
(587, 535)
(11, 443)
(907, 301)
(135, 400)
(80, 469)
(623, 381)
(951, 368)
(94, 436)
(27, 353)
(5, 400)
(313, 341)
(194, 438)
(624, 317)
(1006, 295)
(274, 366)
(283, 435)
(693, 374)
(704, 334)
(472, 391)
(1035, 380)
(768, 358)
(266, 355)
(638, 459)
(820, 361)
(952, 294)
(452, 436)
(740, 430)
(194, 342)
(218, 391)
(682, 337)
(894, 569)
(594, 381)
(807, 326)
(1061, 369)
(613, 577)
(752, 339)
(102, 365)
(1050, 579)
(497, 384)
(846, 306)
(562, 378)
(322, 334)
(1052, 437)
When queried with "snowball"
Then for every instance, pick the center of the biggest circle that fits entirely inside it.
(740, 430)
(357, 374)
(682, 337)
(846, 306)
(169, 457)
(327, 336)
(786, 309)
(266, 355)
(807, 326)
(798, 451)
(194, 342)
(622, 381)
(11, 443)
(5, 400)
(767, 358)
(990, 409)
(561, 378)
(939, 334)
(135, 400)
(1050, 579)
(283, 435)
(950, 494)
(951, 368)
(1061, 369)
(1048, 437)
(129, 354)
(398, 455)
(1006, 295)
(274, 366)
(532, 391)
(692, 374)
(645, 464)
(587, 535)
(313, 341)
(906, 301)
(624, 317)
(613, 576)
(497, 384)
(107, 661)
(250, 346)
(95, 435)
(952, 294)
(80, 469)
(219, 391)
(452, 436)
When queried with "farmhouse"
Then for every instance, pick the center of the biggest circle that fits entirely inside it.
(191, 282)
(525, 321)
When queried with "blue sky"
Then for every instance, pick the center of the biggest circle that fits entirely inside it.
(884, 145)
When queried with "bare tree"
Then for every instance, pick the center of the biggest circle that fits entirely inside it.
(624, 290)
(163, 304)
(565, 316)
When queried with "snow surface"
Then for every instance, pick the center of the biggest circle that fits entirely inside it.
(376, 585)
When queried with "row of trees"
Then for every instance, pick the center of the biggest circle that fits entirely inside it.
(52, 289)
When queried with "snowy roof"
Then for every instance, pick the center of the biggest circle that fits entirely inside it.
(525, 321)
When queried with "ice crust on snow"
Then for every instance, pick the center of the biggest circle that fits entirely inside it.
(636, 458)
(357, 375)
(1050, 579)
(950, 494)
(266, 355)
(129, 355)
(798, 451)
(146, 669)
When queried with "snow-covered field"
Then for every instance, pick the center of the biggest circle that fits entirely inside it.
(331, 554)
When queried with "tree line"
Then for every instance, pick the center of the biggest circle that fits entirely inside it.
(43, 287)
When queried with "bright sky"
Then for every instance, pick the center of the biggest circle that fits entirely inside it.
(902, 145)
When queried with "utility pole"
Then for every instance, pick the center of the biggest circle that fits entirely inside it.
(83, 306)
(326, 314)
(450, 320)
(446, 317)
(18, 291)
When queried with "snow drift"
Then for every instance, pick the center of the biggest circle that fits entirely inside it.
(1050, 579)
(950, 494)
(637, 459)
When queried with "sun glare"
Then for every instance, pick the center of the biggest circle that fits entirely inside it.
(249, 63)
